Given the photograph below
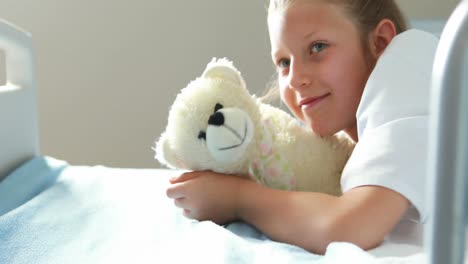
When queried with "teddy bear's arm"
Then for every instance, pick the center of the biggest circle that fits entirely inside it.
(164, 153)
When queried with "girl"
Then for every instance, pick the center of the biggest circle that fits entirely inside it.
(341, 67)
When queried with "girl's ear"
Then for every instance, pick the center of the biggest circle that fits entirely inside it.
(381, 36)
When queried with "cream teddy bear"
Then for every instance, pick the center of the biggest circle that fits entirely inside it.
(216, 124)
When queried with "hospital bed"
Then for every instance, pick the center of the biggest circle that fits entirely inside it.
(448, 160)
(55, 212)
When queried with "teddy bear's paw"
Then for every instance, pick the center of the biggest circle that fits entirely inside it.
(163, 152)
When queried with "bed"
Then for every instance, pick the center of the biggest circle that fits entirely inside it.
(55, 212)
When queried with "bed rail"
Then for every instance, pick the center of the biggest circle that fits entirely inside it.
(448, 143)
(18, 109)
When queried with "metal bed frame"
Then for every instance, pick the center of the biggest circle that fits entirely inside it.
(448, 143)
(18, 106)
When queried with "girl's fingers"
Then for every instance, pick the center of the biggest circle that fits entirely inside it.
(180, 202)
(178, 187)
(184, 177)
(187, 213)
(175, 191)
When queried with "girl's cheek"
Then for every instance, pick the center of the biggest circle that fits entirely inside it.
(283, 85)
(283, 95)
(288, 97)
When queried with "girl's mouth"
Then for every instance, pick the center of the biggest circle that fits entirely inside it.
(310, 102)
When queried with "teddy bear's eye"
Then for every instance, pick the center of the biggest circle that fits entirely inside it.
(202, 135)
(217, 107)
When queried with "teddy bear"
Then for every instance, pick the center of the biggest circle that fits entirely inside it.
(216, 124)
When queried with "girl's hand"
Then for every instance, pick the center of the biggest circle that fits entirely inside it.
(206, 195)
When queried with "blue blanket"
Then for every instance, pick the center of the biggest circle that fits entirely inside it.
(52, 212)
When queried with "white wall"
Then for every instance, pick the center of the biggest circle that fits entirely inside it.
(428, 9)
(109, 69)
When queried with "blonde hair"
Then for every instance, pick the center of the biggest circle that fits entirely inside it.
(366, 15)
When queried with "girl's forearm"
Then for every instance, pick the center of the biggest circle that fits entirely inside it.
(297, 218)
(362, 216)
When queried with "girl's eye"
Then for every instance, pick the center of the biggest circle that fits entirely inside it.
(318, 47)
(283, 63)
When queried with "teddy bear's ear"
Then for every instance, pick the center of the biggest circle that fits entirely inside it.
(223, 69)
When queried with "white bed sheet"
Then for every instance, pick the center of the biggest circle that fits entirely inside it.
(51, 212)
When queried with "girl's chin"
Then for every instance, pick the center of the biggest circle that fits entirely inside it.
(322, 131)
(315, 128)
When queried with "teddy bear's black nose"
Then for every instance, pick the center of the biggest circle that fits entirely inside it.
(216, 119)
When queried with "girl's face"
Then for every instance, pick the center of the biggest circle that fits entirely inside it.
(321, 65)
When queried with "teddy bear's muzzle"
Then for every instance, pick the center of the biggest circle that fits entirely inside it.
(229, 132)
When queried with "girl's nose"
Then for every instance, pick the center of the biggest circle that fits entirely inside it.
(298, 75)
